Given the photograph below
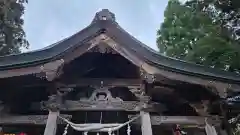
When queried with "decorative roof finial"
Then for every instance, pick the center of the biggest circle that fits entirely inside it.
(104, 14)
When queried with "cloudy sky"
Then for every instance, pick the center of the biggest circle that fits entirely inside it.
(47, 21)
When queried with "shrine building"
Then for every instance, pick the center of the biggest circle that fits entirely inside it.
(103, 81)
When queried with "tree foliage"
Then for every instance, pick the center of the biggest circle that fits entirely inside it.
(193, 33)
(12, 36)
(226, 12)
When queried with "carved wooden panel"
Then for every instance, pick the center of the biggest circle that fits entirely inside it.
(102, 105)
(101, 99)
(71, 105)
(103, 48)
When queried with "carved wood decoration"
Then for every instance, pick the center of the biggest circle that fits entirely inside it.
(201, 108)
(101, 99)
(103, 48)
(150, 78)
(70, 105)
(29, 119)
(140, 93)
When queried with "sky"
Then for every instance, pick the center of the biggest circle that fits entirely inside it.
(48, 21)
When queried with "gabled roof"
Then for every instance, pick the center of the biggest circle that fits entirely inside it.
(104, 22)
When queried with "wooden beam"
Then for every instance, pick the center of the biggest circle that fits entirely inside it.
(201, 107)
(20, 71)
(134, 106)
(104, 82)
(28, 119)
(184, 120)
(155, 120)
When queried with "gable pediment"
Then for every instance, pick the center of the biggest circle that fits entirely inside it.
(103, 44)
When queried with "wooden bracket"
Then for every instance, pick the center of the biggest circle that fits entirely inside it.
(51, 70)
(201, 108)
(150, 78)
(219, 88)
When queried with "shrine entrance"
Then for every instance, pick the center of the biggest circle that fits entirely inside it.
(102, 106)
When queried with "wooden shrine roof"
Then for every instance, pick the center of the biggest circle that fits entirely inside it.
(104, 23)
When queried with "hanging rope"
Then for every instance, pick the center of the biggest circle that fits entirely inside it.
(128, 129)
(86, 116)
(100, 122)
(117, 130)
(100, 118)
(98, 127)
(65, 129)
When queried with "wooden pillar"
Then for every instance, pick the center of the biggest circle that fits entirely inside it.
(51, 125)
(146, 123)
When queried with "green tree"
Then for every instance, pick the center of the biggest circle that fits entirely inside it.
(12, 36)
(189, 34)
(226, 12)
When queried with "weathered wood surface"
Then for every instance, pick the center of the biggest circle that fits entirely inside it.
(185, 120)
(70, 105)
(28, 119)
